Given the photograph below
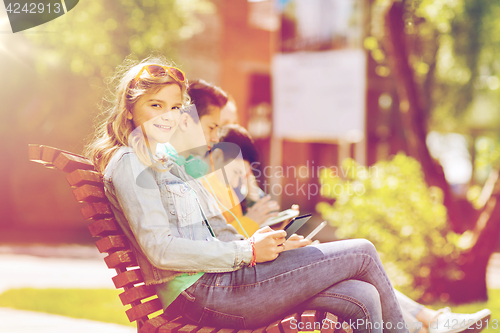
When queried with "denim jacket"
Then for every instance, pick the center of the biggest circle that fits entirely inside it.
(161, 212)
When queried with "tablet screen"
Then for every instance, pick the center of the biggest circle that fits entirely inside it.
(282, 216)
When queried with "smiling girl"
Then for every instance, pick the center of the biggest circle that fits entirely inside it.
(199, 264)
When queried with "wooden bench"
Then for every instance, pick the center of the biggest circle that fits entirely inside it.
(145, 307)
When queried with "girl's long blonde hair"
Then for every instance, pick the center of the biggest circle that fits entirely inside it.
(116, 130)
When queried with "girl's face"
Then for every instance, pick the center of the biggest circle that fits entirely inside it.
(158, 113)
(210, 125)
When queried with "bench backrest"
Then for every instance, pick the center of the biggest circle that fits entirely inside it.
(88, 188)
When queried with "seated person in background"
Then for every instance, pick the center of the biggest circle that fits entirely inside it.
(234, 138)
(229, 113)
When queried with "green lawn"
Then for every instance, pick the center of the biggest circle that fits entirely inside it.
(104, 304)
(95, 304)
(493, 304)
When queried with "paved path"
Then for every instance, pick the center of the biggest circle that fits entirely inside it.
(19, 321)
(493, 272)
(36, 272)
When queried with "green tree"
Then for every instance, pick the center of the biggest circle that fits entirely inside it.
(440, 56)
(96, 36)
(390, 204)
(56, 80)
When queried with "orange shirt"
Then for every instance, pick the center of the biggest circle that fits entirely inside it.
(227, 199)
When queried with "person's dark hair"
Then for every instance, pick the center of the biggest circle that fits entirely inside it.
(204, 95)
(239, 136)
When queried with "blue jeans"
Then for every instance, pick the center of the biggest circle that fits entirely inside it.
(343, 277)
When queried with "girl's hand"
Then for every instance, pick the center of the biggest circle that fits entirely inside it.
(295, 241)
(268, 244)
(263, 209)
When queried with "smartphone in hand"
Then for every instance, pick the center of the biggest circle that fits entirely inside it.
(316, 230)
(295, 224)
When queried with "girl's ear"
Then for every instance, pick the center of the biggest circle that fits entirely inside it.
(183, 123)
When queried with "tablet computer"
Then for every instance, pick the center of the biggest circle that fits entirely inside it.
(295, 224)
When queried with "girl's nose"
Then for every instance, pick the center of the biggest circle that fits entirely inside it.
(215, 138)
(167, 116)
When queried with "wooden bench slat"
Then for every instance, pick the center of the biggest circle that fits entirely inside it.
(143, 310)
(259, 330)
(103, 228)
(345, 328)
(35, 153)
(121, 259)
(274, 327)
(170, 328)
(289, 324)
(152, 325)
(226, 330)
(69, 163)
(242, 331)
(308, 318)
(188, 329)
(128, 278)
(329, 323)
(213, 330)
(89, 193)
(112, 243)
(81, 177)
(50, 154)
(137, 293)
(97, 211)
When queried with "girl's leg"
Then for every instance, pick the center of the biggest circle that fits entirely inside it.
(254, 296)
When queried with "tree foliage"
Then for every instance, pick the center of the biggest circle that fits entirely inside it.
(453, 46)
(390, 205)
(96, 36)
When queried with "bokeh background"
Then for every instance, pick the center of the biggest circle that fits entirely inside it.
(390, 107)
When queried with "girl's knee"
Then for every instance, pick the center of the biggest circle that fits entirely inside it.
(366, 294)
(366, 246)
(363, 294)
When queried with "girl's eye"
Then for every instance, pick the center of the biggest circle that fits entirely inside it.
(176, 108)
(156, 105)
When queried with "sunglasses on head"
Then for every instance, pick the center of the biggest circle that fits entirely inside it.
(159, 71)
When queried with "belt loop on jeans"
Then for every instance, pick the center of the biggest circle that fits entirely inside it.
(185, 305)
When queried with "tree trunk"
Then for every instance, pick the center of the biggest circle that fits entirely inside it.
(474, 261)
(412, 114)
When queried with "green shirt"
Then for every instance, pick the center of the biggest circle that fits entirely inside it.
(167, 292)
